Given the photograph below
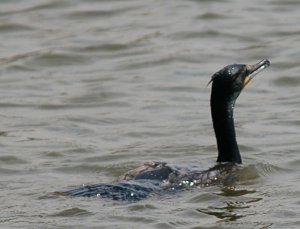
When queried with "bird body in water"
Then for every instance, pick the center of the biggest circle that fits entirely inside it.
(151, 177)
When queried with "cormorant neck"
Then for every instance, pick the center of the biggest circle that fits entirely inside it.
(222, 105)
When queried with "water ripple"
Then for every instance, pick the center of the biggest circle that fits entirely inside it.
(72, 212)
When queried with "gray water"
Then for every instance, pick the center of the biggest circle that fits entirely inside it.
(90, 89)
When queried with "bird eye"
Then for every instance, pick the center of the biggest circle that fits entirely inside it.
(247, 72)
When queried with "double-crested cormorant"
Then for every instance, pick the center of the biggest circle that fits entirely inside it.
(136, 184)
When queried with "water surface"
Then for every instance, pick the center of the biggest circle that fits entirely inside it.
(90, 89)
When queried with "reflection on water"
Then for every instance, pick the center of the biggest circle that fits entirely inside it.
(229, 211)
(91, 89)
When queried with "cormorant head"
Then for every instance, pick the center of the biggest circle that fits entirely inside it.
(229, 81)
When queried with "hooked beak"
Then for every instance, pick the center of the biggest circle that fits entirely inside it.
(255, 69)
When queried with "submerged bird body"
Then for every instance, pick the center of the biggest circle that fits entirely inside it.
(156, 177)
